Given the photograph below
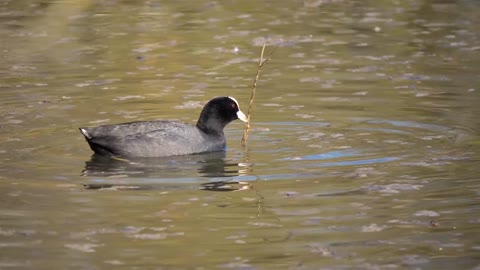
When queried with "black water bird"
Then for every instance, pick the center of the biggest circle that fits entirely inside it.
(167, 138)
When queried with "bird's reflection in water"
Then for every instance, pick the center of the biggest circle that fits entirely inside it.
(210, 165)
(226, 186)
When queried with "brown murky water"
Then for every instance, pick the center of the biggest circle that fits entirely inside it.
(364, 152)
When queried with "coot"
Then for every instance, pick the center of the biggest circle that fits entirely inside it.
(167, 138)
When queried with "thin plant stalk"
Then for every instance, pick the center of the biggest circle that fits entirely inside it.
(261, 62)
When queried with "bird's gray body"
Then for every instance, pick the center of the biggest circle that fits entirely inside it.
(152, 139)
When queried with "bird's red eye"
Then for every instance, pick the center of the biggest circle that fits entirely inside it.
(234, 105)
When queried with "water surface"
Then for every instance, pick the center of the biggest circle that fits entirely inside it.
(364, 152)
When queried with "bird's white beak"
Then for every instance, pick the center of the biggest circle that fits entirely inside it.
(241, 116)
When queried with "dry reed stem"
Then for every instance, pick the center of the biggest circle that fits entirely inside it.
(261, 62)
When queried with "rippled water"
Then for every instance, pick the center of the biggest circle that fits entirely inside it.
(364, 152)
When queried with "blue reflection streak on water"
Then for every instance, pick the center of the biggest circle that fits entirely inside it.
(410, 124)
(328, 155)
(340, 154)
(358, 162)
